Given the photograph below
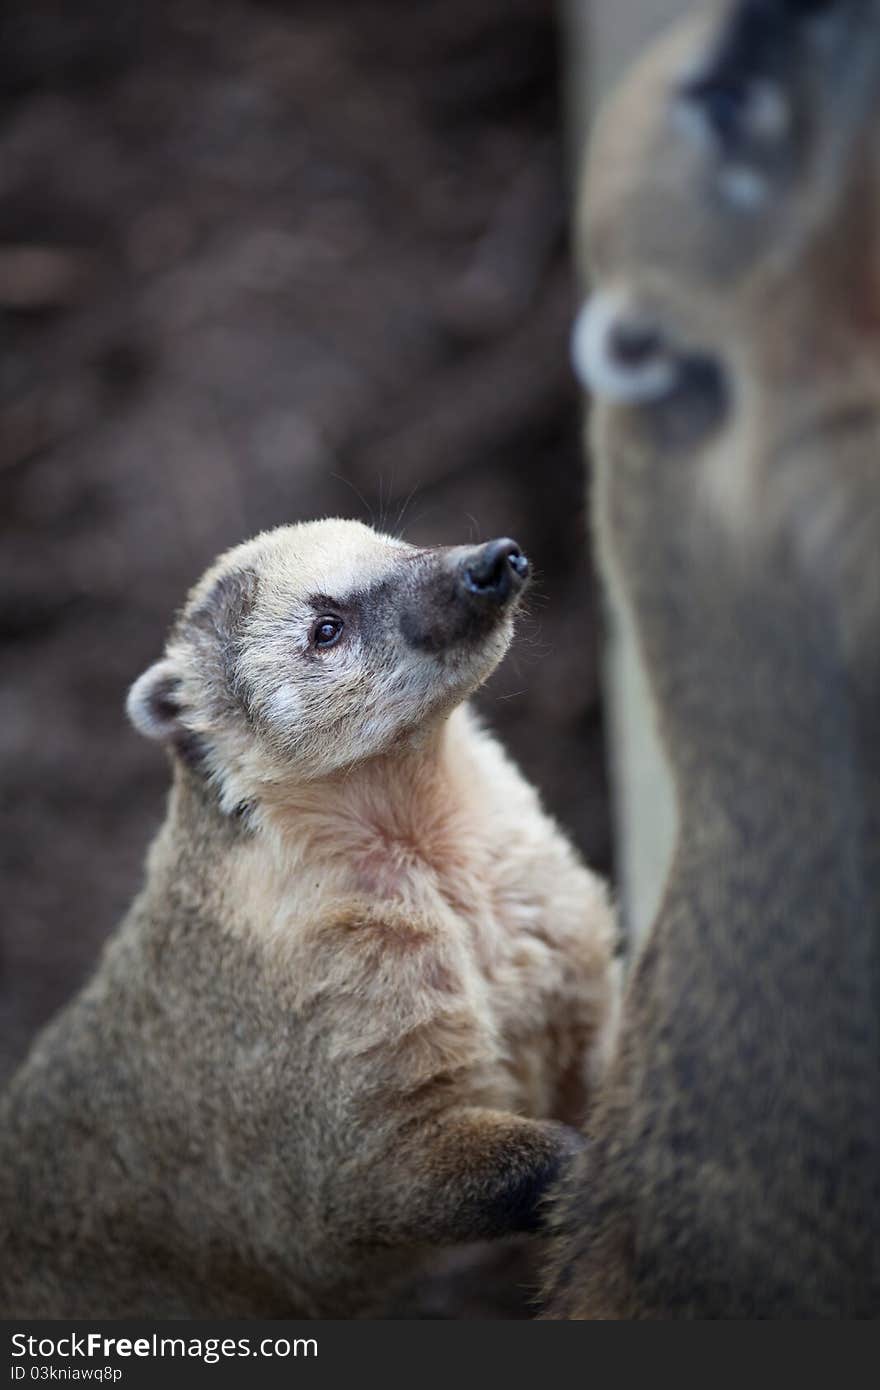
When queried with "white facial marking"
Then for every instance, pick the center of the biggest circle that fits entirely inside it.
(744, 187)
(284, 704)
(600, 370)
(765, 121)
(766, 115)
(690, 120)
(768, 112)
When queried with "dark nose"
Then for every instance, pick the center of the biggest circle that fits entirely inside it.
(495, 570)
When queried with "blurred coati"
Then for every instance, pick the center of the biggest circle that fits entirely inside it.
(367, 986)
(732, 230)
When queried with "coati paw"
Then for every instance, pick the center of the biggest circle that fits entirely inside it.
(481, 1174)
(520, 1204)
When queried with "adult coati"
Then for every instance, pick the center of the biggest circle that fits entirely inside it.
(732, 229)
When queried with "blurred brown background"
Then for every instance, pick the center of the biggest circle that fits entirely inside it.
(261, 262)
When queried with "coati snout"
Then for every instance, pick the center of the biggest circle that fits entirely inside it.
(496, 570)
(463, 595)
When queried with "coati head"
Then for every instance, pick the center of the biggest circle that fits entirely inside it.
(318, 646)
(731, 161)
(730, 228)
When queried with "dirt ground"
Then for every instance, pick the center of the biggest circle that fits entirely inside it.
(262, 262)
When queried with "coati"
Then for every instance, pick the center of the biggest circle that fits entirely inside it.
(367, 988)
(732, 341)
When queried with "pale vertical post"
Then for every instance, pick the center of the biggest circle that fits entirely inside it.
(601, 38)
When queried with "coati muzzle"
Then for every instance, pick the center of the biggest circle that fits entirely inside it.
(464, 594)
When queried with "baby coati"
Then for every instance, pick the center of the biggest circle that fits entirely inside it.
(367, 987)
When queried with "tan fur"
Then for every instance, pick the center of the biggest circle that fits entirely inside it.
(735, 1155)
(367, 985)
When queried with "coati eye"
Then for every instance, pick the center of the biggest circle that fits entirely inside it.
(326, 631)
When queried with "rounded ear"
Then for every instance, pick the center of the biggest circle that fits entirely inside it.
(153, 704)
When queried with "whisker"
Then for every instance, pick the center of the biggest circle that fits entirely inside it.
(403, 510)
(358, 494)
(475, 524)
